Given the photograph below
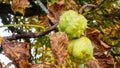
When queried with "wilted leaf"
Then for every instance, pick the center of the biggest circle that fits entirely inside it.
(59, 44)
(94, 35)
(18, 52)
(55, 11)
(71, 5)
(44, 65)
(19, 6)
(93, 64)
(58, 8)
(117, 66)
(0, 65)
(104, 60)
(44, 22)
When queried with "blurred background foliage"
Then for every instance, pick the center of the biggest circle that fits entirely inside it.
(105, 18)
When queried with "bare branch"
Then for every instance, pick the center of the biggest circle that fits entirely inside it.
(90, 5)
(30, 34)
(84, 6)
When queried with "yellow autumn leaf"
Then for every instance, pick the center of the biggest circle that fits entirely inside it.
(19, 6)
(1, 39)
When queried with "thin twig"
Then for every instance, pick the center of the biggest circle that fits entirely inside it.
(84, 6)
(90, 5)
(99, 5)
(30, 34)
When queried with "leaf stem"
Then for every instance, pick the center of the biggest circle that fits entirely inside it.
(12, 25)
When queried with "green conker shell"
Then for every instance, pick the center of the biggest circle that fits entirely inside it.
(72, 23)
(80, 50)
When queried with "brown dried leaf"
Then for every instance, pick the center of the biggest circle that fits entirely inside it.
(19, 6)
(72, 5)
(44, 22)
(94, 36)
(59, 45)
(55, 12)
(61, 2)
(117, 66)
(0, 65)
(44, 65)
(104, 60)
(93, 64)
(58, 8)
(18, 52)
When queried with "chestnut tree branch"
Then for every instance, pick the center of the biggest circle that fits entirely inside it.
(90, 5)
(84, 6)
(30, 34)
